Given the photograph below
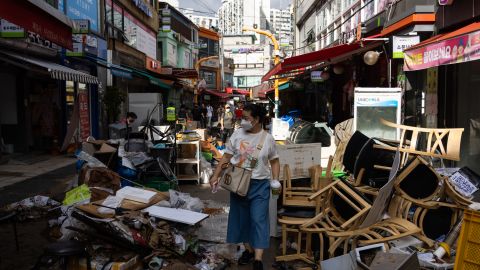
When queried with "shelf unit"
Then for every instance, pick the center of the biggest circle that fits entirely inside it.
(184, 161)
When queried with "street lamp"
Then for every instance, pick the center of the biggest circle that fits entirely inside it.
(276, 61)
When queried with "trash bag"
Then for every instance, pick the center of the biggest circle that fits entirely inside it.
(185, 201)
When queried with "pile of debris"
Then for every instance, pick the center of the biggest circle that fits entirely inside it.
(394, 210)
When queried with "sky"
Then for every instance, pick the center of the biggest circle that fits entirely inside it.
(209, 5)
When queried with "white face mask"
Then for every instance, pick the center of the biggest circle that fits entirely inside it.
(246, 125)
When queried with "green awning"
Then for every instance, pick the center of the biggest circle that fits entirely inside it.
(284, 86)
(153, 80)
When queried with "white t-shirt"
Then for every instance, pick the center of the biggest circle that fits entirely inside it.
(209, 111)
(242, 146)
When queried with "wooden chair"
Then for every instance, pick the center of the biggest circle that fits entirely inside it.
(300, 197)
(440, 143)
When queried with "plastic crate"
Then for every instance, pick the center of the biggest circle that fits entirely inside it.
(468, 246)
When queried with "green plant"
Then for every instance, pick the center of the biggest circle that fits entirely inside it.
(113, 99)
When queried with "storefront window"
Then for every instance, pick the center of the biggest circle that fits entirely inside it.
(210, 78)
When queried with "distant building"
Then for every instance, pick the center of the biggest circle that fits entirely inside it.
(235, 14)
(281, 26)
(209, 22)
(251, 61)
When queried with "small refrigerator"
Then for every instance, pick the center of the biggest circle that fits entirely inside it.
(371, 104)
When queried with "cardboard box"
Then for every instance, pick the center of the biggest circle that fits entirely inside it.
(300, 157)
(203, 134)
(102, 151)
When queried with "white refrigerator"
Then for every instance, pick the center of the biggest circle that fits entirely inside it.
(371, 104)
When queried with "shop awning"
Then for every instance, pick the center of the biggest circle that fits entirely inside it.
(222, 95)
(315, 58)
(462, 45)
(56, 71)
(231, 90)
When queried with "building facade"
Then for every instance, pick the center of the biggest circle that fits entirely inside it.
(251, 61)
(282, 25)
(209, 22)
(235, 14)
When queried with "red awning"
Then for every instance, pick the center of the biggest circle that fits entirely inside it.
(318, 57)
(462, 45)
(216, 93)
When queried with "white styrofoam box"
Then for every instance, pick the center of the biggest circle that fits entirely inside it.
(300, 157)
(136, 194)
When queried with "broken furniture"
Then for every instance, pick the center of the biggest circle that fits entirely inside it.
(302, 210)
(62, 251)
(437, 143)
(11, 216)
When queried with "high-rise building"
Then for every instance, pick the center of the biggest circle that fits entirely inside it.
(281, 25)
(235, 14)
(208, 22)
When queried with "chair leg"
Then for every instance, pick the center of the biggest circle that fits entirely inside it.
(284, 239)
(15, 234)
(89, 267)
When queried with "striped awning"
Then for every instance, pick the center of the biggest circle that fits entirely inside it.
(56, 71)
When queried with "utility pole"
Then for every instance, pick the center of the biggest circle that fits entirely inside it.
(276, 54)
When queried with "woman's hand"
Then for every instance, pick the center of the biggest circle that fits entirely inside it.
(214, 181)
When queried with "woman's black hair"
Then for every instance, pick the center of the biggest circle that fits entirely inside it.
(257, 111)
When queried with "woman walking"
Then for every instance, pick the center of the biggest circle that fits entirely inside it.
(248, 221)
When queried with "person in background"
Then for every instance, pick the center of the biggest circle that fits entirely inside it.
(227, 121)
(248, 220)
(209, 115)
(203, 112)
(130, 119)
(238, 114)
(182, 113)
(197, 115)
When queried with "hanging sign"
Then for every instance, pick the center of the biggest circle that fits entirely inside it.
(84, 116)
(401, 43)
(316, 76)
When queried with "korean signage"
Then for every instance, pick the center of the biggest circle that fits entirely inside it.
(153, 65)
(143, 7)
(10, 30)
(445, 2)
(139, 36)
(316, 76)
(83, 44)
(401, 43)
(84, 115)
(84, 9)
(451, 51)
(81, 27)
(30, 17)
(213, 63)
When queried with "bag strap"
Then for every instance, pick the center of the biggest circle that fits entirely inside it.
(260, 145)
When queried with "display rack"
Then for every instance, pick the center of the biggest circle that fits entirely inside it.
(183, 161)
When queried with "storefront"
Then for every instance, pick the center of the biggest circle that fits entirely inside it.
(447, 66)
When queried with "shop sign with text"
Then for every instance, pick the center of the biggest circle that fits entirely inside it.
(84, 115)
(153, 65)
(451, 51)
(401, 43)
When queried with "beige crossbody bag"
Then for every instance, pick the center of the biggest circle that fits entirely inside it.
(237, 179)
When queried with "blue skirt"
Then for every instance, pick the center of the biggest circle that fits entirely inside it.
(248, 220)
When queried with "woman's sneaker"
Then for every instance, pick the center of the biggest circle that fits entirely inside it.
(246, 258)
(257, 265)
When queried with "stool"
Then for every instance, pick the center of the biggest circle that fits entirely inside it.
(63, 250)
